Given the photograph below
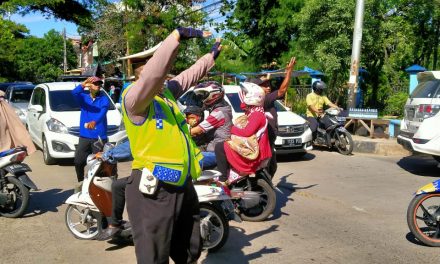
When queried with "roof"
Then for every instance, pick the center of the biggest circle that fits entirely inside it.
(143, 54)
(22, 86)
(415, 68)
(59, 86)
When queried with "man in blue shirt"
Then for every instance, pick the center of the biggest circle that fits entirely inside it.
(93, 121)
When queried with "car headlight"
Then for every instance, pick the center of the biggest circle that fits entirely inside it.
(306, 125)
(56, 126)
(122, 125)
(20, 113)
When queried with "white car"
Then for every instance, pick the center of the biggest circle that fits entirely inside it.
(53, 120)
(294, 134)
(419, 129)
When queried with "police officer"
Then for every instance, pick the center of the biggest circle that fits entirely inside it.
(162, 204)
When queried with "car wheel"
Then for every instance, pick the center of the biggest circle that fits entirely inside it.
(48, 160)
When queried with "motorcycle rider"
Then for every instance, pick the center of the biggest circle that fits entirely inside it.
(217, 126)
(119, 152)
(254, 124)
(315, 105)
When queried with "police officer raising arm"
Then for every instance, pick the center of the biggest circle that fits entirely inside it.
(162, 204)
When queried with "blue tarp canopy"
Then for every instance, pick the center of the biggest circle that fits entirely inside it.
(415, 68)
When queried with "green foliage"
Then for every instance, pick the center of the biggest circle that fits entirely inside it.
(40, 59)
(136, 25)
(395, 104)
(267, 24)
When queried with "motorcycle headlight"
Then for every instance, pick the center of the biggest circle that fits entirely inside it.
(56, 126)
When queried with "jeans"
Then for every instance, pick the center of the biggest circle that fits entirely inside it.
(209, 160)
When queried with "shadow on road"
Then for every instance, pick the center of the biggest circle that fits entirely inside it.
(232, 252)
(47, 201)
(284, 190)
(411, 238)
(295, 157)
(420, 165)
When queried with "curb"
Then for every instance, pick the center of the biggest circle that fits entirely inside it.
(388, 147)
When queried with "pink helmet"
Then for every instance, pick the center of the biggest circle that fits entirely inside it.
(253, 94)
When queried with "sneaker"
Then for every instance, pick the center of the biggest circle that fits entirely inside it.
(108, 233)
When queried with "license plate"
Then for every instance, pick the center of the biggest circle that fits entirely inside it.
(292, 142)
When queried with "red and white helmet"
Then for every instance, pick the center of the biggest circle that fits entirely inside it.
(253, 94)
(210, 92)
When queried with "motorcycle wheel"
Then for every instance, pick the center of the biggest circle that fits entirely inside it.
(423, 212)
(345, 146)
(83, 226)
(264, 209)
(20, 198)
(214, 227)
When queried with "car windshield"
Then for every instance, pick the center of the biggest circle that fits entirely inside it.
(428, 89)
(234, 99)
(21, 95)
(235, 102)
(63, 100)
(280, 107)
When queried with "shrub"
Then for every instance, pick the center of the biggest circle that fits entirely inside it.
(395, 104)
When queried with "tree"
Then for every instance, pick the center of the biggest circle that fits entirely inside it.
(268, 25)
(41, 59)
(10, 33)
(143, 24)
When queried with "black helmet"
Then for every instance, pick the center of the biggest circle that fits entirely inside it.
(318, 85)
(194, 109)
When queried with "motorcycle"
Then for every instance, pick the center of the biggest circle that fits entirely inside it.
(88, 209)
(332, 133)
(253, 195)
(15, 184)
(423, 214)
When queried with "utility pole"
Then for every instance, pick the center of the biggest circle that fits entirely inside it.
(65, 52)
(355, 54)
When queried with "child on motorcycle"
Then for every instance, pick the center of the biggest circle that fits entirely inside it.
(217, 126)
(249, 131)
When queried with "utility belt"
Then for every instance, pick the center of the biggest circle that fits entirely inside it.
(149, 183)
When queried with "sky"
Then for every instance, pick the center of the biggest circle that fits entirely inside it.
(38, 25)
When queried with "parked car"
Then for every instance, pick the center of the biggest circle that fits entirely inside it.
(53, 120)
(4, 86)
(18, 95)
(294, 134)
(419, 129)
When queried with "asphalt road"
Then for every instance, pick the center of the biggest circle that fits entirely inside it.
(330, 209)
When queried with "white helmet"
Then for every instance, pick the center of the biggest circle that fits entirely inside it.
(210, 92)
(253, 94)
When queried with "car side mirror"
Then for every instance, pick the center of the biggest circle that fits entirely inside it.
(118, 106)
(288, 108)
(36, 108)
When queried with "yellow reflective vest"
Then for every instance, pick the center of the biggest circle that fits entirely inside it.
(162, 143)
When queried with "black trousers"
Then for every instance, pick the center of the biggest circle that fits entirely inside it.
(166, 224)
(222, 162)
(85, 147)
(118, 200)
(273, 165)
